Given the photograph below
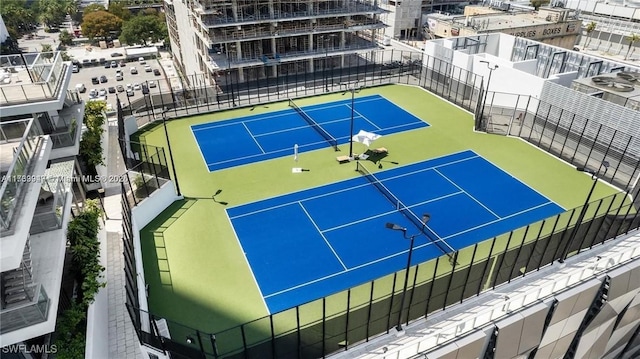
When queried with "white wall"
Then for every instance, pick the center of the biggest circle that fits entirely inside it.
(565, 79)
(141, 215)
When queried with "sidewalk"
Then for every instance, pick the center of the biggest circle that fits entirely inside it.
(123, 341)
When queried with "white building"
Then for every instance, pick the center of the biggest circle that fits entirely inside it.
(40, 128)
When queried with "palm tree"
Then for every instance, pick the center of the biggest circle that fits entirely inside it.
(632, 40)
(590, 28)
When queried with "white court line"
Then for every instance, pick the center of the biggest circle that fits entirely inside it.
(499, 219)
(349, 270)
(255, 280)
(253, 137)
(321, 234)
(199, 149)
(467, 193)
(363, 116)
(262, 154)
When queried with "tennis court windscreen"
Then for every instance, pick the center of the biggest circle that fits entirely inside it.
(332, 141)
(442, 245)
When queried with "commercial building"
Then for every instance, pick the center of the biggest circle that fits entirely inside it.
(216, 38)
(549, 25)
(40, 128)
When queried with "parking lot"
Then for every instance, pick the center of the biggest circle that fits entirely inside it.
(86, 73)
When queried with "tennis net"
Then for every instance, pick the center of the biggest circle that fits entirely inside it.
(442, 245)
(332, 141)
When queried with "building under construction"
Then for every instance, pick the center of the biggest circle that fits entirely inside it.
(262, 39)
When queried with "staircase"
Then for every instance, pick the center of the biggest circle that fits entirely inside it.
(17, 285)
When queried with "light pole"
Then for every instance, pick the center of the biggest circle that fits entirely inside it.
(585, 206)
(325, 39)
(353, 89)
(486, 92)
(395, 227)
(173, 166)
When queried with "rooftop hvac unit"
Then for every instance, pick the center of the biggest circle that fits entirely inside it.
(613, 84)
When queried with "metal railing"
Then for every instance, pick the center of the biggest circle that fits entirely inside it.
(27, 314)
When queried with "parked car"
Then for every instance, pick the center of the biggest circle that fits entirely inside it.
(95, 80)
(102, 92)
(103, 79)
(119, 77)
(86, 61)
(156, 72)
(141, 60)
(112, 89)
(136, 86)
(107, 65)
(122, 63)
(80, 88)
(93, 93)
(75, 69)
(148, 68)
(134, 71)
(152, 84)
(76, 62)
(116, 54)
(120, 88)
(145, 89)
(129, 87)
(103, 60)
(130, 93)
(114, 64)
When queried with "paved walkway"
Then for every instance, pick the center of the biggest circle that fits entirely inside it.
(123, 342)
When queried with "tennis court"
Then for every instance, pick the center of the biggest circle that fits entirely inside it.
(326, 239)
(261, 137)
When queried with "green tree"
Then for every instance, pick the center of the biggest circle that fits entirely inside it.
(118, 9)
(100, 24)
(91, 141)
(17, 17)
(633, 38)
(92, 8)
(538, 3)
(141, 29)
(47, 51)
(590, 28)
(65, 38)
(51, 13)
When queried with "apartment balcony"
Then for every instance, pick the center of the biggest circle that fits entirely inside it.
(32, 77)
(67, 132)
(31, 309)
(247, 33)
(215, 18)
(220, 61)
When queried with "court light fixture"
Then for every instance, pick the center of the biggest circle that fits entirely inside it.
(486, 92)
(353, 89)
(189, 339)
(585, 206)
(396, 227)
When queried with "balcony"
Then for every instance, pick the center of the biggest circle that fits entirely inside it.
(30, 77)
(17, 164)
(219, 61)
(27, 312)
(50, 208)
(220, 20)
(262, 32)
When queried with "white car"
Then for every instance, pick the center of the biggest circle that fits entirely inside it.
(119, 77)
(129, 87)
(152, 84)
(81, 88)
(93, 93)
(141, 60)
(133, 70)
(75, 69)
(136, 86)
(147, 68)
(102, 93)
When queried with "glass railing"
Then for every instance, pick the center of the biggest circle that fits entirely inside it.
(13, 130)
(66, 137)
(38, 80)
(50, 210)
(17, 177)
(26, 314)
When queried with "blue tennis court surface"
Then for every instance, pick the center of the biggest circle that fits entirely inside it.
(261, 137)
(306, 245)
